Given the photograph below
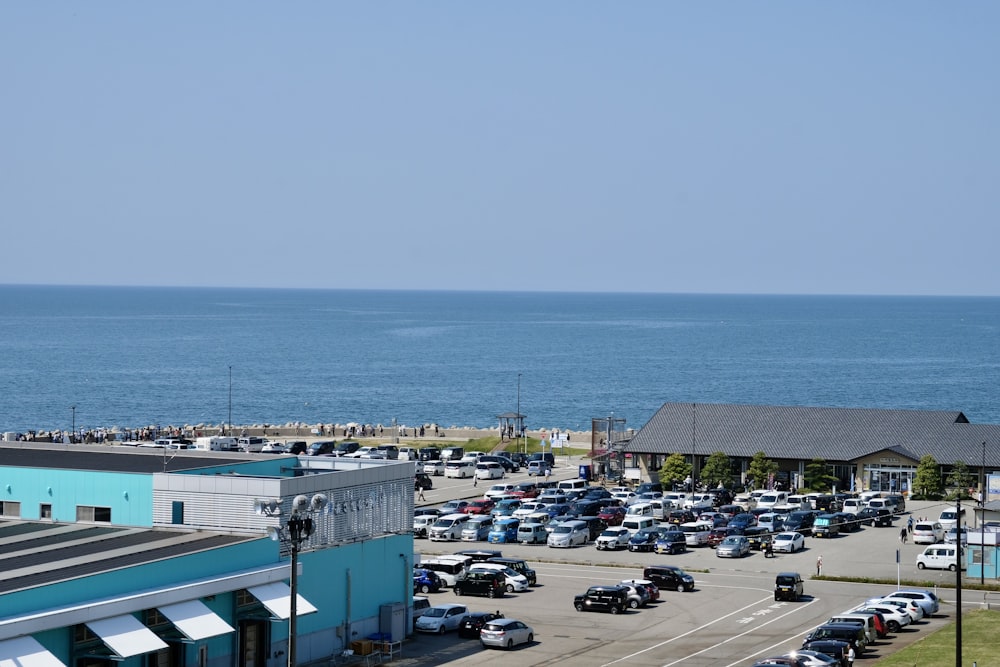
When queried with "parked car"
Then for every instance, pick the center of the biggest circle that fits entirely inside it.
(826, 525)
(758, 537)
(454, 507)
(489, 583)
(513, 581)
(506, 633)
(474, 622)
(612, 515)
(525, 490)
(644, 539)
(477, 528)
(519, 566)
(925, 599)
(504, 531)
(789, 542)
(668, 576)
(422, 481)
(848, 522)
(505, 508)
(928, 532)
(426, 581)
(734, 546)
(569, 534)
(532, 533)
(951, 517)
(421, 522)
(441, 618)
(612, 539)
(940, 556)
(638, 596)
(612, 599)
(671, 541)
(481, 506)
(435, 467)
(957, 534)
(788, 586)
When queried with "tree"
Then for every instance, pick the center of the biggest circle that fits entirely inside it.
(760, 470)
(927, 481)
(960, 479)
(817, 475)
(718, 469)
(674, 470)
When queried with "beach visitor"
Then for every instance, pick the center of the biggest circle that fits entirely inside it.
(819, 565)
(902, 535)
(420, 494)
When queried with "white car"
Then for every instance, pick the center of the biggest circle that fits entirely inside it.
(895, 617)
(528, 508)
(499, 492)
(952, 536)
(441, 618)
(273, 448)
(435, 468)
(928, 532)
(514, 581)
(911, 607)
(789, 542)
(505, 633)
(489, 471)
(613, 539)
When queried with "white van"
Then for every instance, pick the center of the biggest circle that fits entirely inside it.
(568, 485)
(460, 469)
(772, 499)
(881, 504)
(251, 443)
(569, 533)
(696, 533)
(640, 509)
(853, 505)
(939, 557)
(485, 470)
(661, 508)
(448, 527)
(798, 502)
(217, 443)
(698, 501)
(636, 523)
(449, 570)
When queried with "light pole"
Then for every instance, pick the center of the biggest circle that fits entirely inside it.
(72, 433)
(229, 424)
(295, 533)
(519, 411)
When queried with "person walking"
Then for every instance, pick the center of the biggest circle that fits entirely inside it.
(548, 471)
(902, 535)
(819, 565)
(475, 479)
(420, 493)
(850, 656)
(909, 524)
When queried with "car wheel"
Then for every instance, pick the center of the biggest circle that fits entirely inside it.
(894, 626)
(510, 588)
(425, 589)
(531, 637)
(775, 597)
(615, 610)
(510, 644)
(458, 590)
(920, 566)
(579, 606)
(680, 588)
(633, 604)
(951, 567)
(492, 593)
(441, 629)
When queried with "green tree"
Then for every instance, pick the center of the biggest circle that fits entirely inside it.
(927, 481)
(959, 480)
(817, 475)
(674, 469)
(760, 470)
(718, 469)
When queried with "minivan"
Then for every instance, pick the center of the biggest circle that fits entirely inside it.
(640, 509)
(636, 523)
(568, 485)
(696, 533)
(940, 557)
(569, 533)
(518, 565)
(460, 469)
(772, 499)
(867, 622)
(485, 471)
(452, 453)
(448, 527)
(826, 525)
(448, 571)
(853, 505)
(532, 533)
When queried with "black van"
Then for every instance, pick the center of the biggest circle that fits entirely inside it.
(491, 583)
(788, 586)
(347, 447)
(518, 565)
(322, 448)
(845, 632)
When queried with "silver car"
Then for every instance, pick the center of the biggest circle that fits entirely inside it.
(505, 633)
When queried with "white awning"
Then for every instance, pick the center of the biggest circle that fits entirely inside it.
(126, 636)
(195, 620)
(277, 597)
(26, 652)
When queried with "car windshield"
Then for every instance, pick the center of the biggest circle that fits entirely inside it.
(783, 537)
(563, 529)
(786, 581)
(434, 612)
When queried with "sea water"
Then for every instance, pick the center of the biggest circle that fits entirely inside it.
(131, 356)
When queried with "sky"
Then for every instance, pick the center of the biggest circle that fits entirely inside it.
(680, 147)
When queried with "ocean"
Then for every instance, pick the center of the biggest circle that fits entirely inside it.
(138, 356)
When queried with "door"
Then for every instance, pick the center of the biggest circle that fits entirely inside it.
(253, 643)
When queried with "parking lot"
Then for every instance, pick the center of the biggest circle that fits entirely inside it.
(730, 619)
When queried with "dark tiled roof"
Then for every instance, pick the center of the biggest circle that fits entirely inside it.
(836, 434)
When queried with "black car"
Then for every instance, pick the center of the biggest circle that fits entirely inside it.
(422, 481)
(297, 447)
(800, 522)
(644, 540)
(671, 541)
(874, 517)
(480, 555)
(507, 464)
(850, 633)
(848, 522)
(519, 566)
(669, 577)
(474, 622)
(758, 536)
(834, 648)
(613, 599)
(491, 583)
(788, 586)
(583, 507)
(677, 517)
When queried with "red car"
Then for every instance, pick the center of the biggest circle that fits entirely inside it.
(525, 490)
(484, 506)
(612, 516)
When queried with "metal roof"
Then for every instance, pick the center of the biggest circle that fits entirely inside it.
(38, 553)
(112, 458)
(803, 433)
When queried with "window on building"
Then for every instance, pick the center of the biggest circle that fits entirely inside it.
(45, 511)
(10, 508)
(95, 514)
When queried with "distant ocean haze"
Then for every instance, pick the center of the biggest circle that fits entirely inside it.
(129, 356)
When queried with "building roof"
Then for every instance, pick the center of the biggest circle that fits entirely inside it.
(802, 433)
(111, 458)
(40, 553)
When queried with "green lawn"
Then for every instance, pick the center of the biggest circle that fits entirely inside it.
(979, 636)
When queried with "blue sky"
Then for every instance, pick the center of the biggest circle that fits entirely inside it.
(765, 147)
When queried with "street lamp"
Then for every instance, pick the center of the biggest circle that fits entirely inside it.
(519, 412)
(229, 424)
(295, 533)
(72, 433)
